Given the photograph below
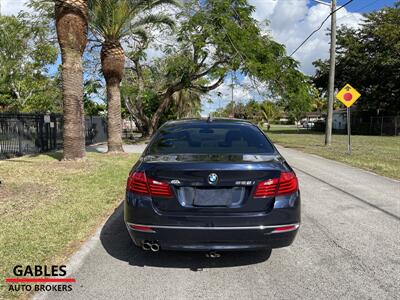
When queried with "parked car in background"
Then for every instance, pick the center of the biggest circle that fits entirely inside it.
(308, 124)
(211, 185)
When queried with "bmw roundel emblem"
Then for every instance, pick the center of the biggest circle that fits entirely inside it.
(212, 178)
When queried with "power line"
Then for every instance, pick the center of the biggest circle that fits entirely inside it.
(320, 26)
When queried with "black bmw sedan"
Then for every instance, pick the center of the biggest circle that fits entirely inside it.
(211, 185)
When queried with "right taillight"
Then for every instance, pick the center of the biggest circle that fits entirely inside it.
(138, 183)
(285, 184)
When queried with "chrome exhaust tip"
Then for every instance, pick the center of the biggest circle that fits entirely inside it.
(146, 246)
(155, 247)
(213, 254)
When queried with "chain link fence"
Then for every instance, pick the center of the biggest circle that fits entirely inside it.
(384, 126)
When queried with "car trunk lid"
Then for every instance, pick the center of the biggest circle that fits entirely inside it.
(194, 191)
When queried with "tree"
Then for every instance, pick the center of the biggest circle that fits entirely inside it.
(369, 59)
(227, 111)
(112, 21)
(269, 111)
(142, 91)
(25, 54)
(72, 24)
(91, 90)
(252, 110)
(214, 37)
(186, 103)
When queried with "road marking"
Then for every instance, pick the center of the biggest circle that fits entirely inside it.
(351, 195)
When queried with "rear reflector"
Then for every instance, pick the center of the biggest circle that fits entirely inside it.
(285, 184)
(285, 228)
(142, 228)
(138, 183)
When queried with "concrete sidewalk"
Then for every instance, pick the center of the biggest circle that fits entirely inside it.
(102, 148)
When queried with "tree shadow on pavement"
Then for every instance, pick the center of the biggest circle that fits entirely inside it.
(117, 242)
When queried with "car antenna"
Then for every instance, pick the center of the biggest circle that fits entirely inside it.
(210, 118)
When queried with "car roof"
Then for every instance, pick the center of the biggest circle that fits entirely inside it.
(209, 121)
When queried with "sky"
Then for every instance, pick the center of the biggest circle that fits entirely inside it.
(290, 22)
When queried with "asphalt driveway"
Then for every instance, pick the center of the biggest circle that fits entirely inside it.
(347, 247)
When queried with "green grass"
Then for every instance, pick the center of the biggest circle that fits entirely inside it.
(379, 154)
(48, 207)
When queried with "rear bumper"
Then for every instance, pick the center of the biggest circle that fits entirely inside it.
(241, 231)
(215, 238)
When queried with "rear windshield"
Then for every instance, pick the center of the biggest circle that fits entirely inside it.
(210, 138)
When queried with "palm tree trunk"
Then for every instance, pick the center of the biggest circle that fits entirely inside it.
(112, 62)
(72, 25)
(114, 126)
(73, 109)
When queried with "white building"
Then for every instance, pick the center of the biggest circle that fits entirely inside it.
(339, 119)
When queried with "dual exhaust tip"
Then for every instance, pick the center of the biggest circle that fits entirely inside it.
(155, 247)
(149, 245)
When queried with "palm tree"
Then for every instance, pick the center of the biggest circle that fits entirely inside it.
(113, 21)
(269, 110)
(187, 103)
(319, 104)
(72, 25)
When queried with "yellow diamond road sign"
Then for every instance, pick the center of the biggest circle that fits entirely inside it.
(348, 95)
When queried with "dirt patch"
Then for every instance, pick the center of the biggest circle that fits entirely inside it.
(28, 184)
(16, 199)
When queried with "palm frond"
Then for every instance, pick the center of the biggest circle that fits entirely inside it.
(116, 19)
(147, 4)
(156, 3)
(111, 18)
(187, 103)
(154, 19)
(141, 33)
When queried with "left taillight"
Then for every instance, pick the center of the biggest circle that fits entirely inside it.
(138, 183)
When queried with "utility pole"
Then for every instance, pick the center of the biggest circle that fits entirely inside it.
(232, 87)
(331, 84)
(233, 103)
